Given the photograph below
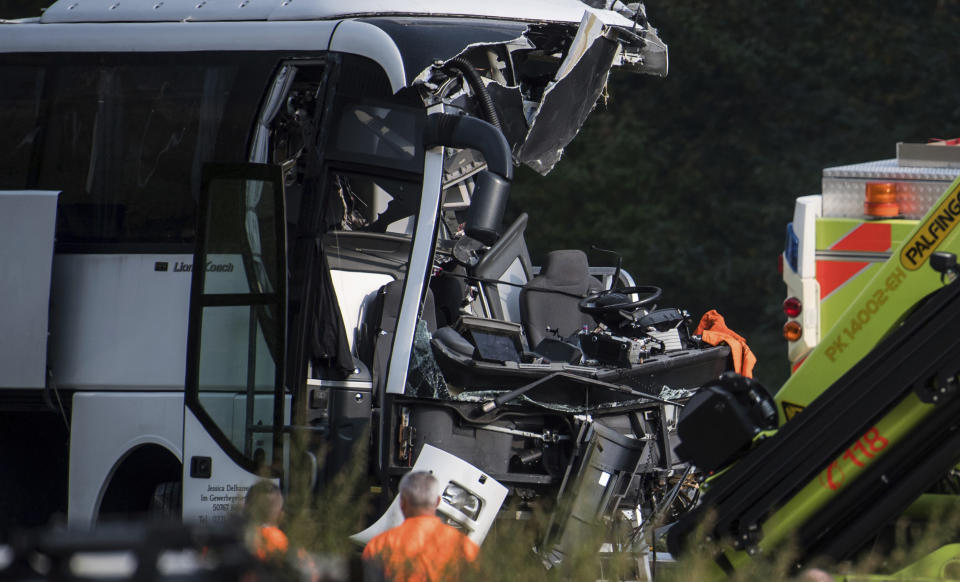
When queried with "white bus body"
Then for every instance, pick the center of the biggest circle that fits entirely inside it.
(232, 222)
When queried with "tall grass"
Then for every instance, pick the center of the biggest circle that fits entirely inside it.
(323, 523)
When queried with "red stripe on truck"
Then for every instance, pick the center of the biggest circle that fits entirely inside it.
(868, 237)
(833, 274)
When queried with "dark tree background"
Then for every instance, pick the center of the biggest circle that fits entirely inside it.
(693, 177)
(21, 8)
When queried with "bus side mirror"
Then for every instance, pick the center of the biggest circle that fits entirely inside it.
(487, 205)
(492, 188)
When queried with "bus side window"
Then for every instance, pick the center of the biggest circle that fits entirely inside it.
(124, 137)
(20, 119)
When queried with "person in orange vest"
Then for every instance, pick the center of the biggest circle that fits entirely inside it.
(422, 548)
(264, 508)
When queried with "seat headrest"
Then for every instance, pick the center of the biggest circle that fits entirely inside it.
(565, 267)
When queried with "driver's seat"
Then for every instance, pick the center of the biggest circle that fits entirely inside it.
(550, 300)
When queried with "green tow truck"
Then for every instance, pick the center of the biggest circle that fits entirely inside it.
(860, 435)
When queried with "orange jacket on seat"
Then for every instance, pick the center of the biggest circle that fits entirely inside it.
(421, 549)
(713, 329)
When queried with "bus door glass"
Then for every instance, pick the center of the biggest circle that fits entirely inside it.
(236, 404)
(366, 197)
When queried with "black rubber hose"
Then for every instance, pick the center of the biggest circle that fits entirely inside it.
(461, 131)
(472, 77)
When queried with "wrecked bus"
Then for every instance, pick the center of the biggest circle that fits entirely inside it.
(240, 226)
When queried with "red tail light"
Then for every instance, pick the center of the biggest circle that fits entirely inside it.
(792, 307)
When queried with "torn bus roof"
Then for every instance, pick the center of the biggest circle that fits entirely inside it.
(565, 11)
(539, 65)
(537, 88)
(630, 21)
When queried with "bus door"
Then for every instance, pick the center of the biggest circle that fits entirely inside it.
(235, 404)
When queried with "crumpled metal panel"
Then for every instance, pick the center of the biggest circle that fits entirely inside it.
(540, 129)
(571, 97)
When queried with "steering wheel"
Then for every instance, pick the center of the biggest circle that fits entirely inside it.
(609, 303)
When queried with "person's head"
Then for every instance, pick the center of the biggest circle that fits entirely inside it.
(814, 575)
(419, 494)
(264, 503)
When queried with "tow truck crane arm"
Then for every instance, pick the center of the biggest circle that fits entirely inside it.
(858, 455)
(866, 445)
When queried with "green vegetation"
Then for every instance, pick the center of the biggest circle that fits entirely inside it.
(323, 526)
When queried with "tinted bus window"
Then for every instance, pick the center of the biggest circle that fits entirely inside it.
(125, 139)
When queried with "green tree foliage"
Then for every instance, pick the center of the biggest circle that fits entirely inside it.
(693, 176)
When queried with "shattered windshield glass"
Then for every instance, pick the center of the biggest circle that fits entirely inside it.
(425, 380)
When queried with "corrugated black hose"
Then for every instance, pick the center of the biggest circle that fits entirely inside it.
(472, 77)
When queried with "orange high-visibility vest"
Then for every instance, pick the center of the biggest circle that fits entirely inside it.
(421, 549)
(271, 542)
